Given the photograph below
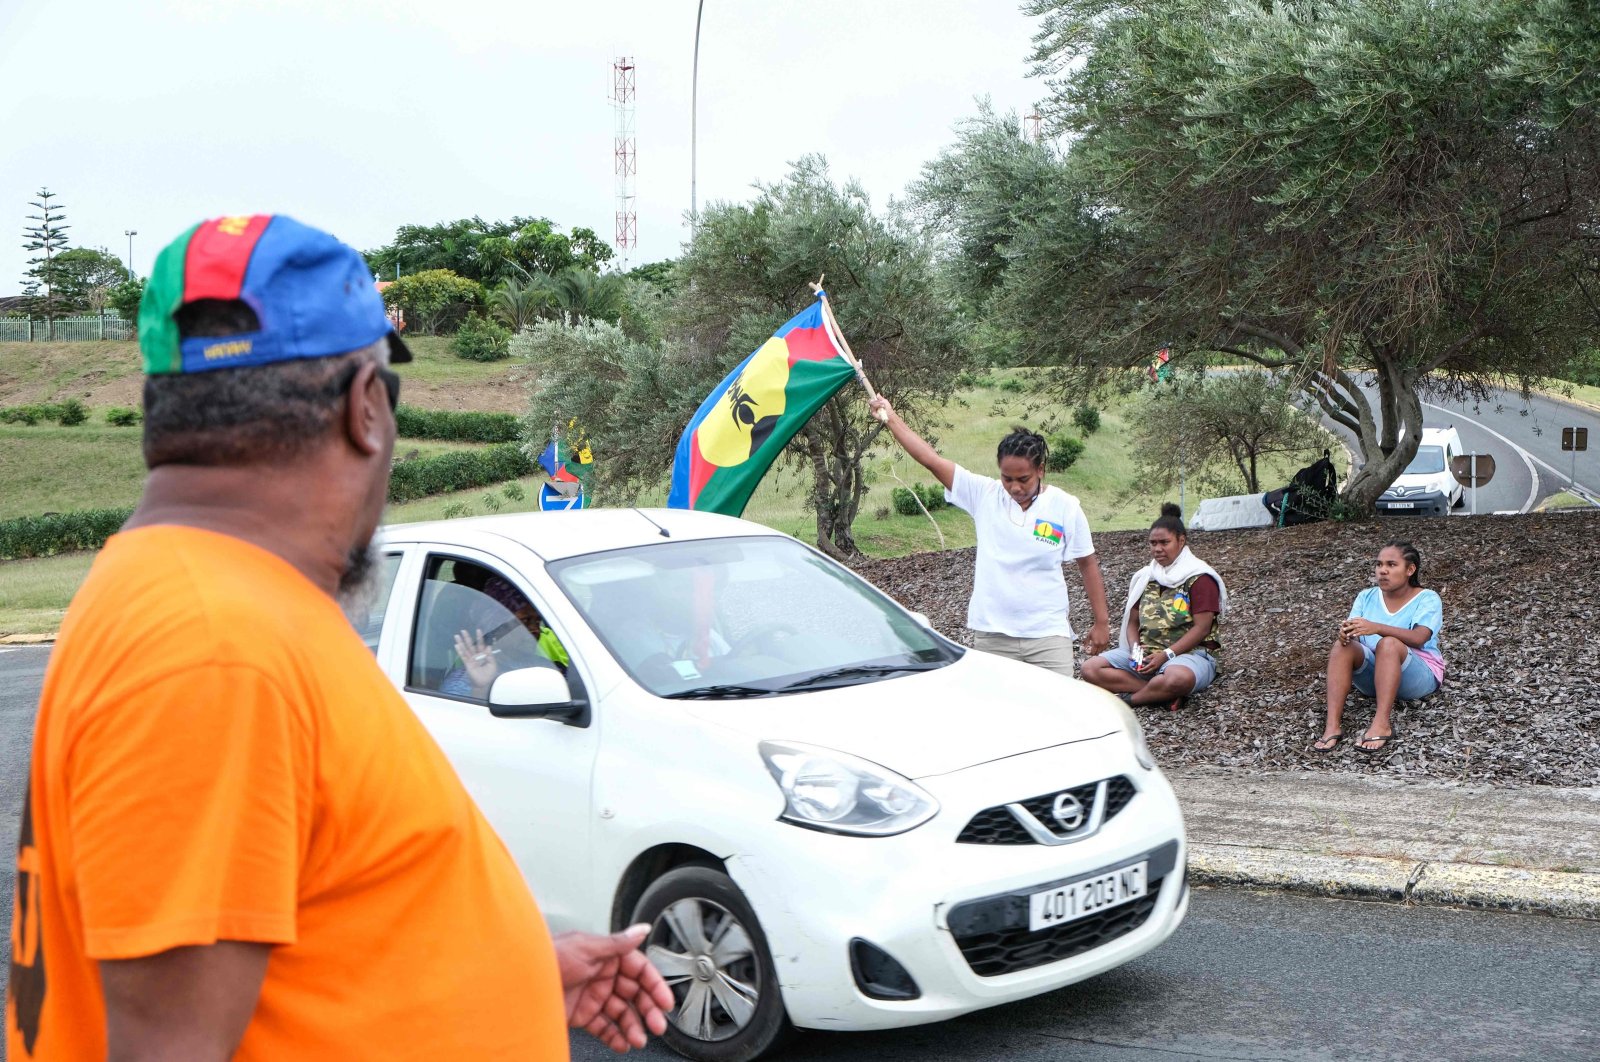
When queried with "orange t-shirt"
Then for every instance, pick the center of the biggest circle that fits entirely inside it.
(218, 757)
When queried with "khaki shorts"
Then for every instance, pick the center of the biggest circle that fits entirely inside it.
(1053, 653)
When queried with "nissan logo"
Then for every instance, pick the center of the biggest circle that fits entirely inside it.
(1068, 811)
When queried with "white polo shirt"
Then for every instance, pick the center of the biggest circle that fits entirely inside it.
(1018, 587)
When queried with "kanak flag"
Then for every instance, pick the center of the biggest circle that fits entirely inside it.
(749, 418)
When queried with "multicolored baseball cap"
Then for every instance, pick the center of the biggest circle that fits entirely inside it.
(314, 296)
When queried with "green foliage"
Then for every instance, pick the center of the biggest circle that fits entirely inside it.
(434, 300)
(123, 417)
(456, 510)
(1064, 452)
(47, 240)
(489, 252)
(904, 499)
(660, 275)
(491, 503)
(517, 303)
(456, 425)
(124, 299)
(482, 339)
(85, 278)
(750, 268)
(457, 470)
(584, 296)
(1086, 418)
(514, 492)
(45, 536)
(1583, 369)
(68, 413)
(1384, 186)
(1013, 386)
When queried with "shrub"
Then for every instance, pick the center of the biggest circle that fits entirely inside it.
(461, 470)
(456, 425)
(881, 512)
(491, 503)
(1012, 385)
(1064, 452)
(19, 415)
(71, 413)
(513, 491)
(123, 417)
(1087, 419)
(904, 499)
(482, 339)
(455, 510)
(44, 536)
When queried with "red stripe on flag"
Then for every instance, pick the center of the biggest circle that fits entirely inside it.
(700, 470)
(809, 344)
(219, 253)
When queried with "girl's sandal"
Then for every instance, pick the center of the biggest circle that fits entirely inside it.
(1382, 739)
(1335, 737)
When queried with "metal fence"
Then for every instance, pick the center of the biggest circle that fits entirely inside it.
(87, 326)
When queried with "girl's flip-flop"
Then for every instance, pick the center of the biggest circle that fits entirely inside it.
(1383, 739)
(1336, 737)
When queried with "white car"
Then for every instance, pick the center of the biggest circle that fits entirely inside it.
(832, 816)
(1426, 487)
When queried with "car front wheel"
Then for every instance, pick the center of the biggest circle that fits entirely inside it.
(708, 945)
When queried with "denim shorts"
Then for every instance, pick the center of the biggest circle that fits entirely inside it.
(1416, 680)
(1199, 662)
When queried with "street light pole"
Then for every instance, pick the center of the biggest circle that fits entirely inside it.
(694, 123)
(130, 234)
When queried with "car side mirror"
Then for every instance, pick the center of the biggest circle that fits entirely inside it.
(538, 693)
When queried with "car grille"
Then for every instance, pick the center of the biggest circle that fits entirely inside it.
(993, 934)
(1000, 825)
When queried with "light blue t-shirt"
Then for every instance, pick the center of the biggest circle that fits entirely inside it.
(1424, 610)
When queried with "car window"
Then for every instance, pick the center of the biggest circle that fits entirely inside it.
(472, 625)
(762, 611)
(365, 606)
(1429, 459)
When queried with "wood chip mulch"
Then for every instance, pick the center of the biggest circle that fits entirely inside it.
(1520, 703)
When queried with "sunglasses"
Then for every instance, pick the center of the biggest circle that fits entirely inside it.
(390, 378)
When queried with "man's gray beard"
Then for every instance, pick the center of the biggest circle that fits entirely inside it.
(358, 584)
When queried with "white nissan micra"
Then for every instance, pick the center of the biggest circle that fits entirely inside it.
(832, 816)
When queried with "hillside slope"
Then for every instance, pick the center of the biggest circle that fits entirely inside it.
(1521, 699)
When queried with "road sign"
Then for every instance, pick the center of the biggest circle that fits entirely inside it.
(552, 500)
(1575, 439)
(1472, 470)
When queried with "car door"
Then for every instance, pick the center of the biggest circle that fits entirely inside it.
(531, 777)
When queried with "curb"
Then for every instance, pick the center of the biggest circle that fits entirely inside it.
(26, 639)
(1436, 884)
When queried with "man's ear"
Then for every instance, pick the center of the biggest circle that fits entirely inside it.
(365, 408)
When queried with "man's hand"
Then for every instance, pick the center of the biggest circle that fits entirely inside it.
(612, 992)
(1099, 638)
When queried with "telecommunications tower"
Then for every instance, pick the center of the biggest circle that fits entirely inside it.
(625, 152)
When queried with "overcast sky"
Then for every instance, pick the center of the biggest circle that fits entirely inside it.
(362, 115)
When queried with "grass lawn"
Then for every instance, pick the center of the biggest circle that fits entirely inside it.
(34, 593)
(1589, 396)
(1563, 499)
(61, 365)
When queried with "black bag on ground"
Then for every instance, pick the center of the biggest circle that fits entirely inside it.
(1309, 495)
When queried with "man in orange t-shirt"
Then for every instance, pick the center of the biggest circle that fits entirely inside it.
(238, 840)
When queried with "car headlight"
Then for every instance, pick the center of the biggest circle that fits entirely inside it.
(839, 793)
(1141, 750)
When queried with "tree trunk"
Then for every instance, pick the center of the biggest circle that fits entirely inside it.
(1388, 447)
(834, 450)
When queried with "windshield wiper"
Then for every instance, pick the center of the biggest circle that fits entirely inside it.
(863, 670)
(721, 690)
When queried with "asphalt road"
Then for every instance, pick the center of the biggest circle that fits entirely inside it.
(1249, 976)
(1524, 437)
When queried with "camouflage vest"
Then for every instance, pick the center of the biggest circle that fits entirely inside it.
(1164, 617)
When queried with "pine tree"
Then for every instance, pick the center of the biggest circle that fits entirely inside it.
(47, 236)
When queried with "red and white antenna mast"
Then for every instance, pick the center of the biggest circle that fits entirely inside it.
(1032, 127)
(625, 149)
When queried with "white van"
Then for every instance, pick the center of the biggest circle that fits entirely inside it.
(1426, 487)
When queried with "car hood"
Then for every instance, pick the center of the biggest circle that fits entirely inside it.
(979, 709)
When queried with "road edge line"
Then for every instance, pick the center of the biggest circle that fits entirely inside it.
(1527, 458)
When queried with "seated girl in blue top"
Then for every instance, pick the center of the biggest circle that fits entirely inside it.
(1388, 648)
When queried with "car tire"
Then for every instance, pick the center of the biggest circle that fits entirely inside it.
(707, 942)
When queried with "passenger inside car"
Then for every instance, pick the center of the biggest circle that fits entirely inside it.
(473, 627)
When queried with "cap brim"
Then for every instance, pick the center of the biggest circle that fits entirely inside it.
(399, 353)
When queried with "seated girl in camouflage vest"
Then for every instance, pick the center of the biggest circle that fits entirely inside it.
(1171, 634)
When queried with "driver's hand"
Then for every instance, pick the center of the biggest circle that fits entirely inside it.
(477, 658)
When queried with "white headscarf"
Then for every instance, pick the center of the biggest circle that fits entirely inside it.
(1184, 566)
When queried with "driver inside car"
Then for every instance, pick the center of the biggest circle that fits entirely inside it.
(504, 633)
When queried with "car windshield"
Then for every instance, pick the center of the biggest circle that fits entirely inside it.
(1429, 459)
(743, 617)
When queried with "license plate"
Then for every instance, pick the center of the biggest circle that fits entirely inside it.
(1052, 907)
(1400, 505)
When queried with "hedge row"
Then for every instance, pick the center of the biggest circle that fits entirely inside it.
(44, 536)
(454, 426)
(459, 470)
(68, 414)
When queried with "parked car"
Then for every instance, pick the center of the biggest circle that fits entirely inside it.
(832, 816)
(1426, 487)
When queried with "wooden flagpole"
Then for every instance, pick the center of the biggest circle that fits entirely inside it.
(844, 344)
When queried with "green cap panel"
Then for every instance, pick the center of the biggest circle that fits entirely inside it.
(163, 294)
